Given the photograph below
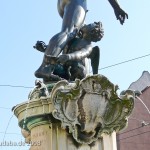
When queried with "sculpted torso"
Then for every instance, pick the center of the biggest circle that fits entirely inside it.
(63, 4)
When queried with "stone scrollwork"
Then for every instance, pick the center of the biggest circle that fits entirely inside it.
(91, 107)
(40, 90)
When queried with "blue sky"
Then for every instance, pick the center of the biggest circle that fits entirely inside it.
(26, 21)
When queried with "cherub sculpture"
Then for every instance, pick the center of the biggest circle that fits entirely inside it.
(72, 64)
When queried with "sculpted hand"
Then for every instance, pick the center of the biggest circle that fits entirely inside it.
(121, 15)
(40, 46)
(63, 58)
(72, 35)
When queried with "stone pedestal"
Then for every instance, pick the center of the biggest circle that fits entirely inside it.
(45, 133)
(109, 141)
(84, 115)
(55, 138)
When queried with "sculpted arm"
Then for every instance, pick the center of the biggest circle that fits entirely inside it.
(77, 55)
(114, 3)
(121, 15)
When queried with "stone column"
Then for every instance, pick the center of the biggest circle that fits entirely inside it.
(55, 138)
(109, 141)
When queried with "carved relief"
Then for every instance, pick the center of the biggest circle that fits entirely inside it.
(40, 90)
(91, 107)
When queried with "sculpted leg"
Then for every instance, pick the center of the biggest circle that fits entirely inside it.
(73, 17)
(77, 70)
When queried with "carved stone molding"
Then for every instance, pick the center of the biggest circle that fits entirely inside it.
(34, 112)
(91, 107)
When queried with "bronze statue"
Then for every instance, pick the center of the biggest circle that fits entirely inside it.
(73, 13)
(71, 64)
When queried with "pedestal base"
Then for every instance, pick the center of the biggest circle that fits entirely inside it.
(53, 137)
(75, 116)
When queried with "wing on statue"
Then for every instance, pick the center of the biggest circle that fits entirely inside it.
(95, 56)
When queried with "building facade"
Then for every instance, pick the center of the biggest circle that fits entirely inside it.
(137, 135)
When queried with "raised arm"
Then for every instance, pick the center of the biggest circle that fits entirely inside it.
(121, 15)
